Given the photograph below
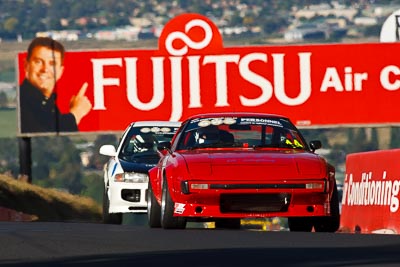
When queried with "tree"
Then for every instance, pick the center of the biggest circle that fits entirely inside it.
(56, 163)
(394, 137)
(359, 141)
(8, 161)
(93, 187)
(3, 99)
(97, 161)
(10, 24)
(273, 24)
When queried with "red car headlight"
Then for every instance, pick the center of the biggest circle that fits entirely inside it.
(199, 186)
(315, 185)
(188, 187)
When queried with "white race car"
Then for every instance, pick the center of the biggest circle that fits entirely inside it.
(126, 172)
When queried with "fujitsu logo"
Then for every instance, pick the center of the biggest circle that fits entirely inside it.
(194, 71)
(177, 35)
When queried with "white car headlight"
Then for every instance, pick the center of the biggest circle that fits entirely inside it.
(132, 177)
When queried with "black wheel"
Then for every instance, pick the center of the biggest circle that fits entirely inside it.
(168, 221)
(153, 209)
(330, 223)
(300, 224)
(227, 223)
(110, 218)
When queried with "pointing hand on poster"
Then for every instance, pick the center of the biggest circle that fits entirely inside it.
(80, 104)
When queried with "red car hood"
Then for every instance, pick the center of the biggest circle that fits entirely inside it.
(254, 165)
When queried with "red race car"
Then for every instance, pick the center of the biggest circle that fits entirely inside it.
(224, 167)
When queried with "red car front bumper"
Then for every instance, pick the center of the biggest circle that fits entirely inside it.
(251, 200)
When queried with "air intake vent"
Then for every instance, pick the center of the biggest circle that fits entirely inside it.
(254, 203)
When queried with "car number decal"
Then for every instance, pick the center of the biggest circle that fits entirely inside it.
(179, 208)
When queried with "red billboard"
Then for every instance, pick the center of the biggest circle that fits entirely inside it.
(191, 72)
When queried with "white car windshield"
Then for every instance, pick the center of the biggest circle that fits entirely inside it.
(142, 141)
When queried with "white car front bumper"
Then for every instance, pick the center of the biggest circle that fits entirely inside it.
(127, 197)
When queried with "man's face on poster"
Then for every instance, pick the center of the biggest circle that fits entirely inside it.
(44, 68)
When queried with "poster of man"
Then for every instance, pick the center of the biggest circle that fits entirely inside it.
(191, 72)
(43, 67)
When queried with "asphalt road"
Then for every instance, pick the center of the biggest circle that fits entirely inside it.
(81, 244)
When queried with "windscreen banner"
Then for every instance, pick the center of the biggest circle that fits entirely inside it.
(191, 72)
(370, 201)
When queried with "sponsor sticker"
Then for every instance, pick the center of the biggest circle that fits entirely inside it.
(179, 208)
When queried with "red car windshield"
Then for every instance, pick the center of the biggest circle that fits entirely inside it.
(223, 132)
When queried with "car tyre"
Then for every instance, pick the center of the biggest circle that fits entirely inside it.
(330, 223)
(153, 209)
(300, 224)
(109, 218)
(227, 223)
(168, 221)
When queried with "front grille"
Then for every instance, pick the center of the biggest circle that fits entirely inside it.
(248, 203)
(257, 186)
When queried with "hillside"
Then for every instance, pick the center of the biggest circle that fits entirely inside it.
(46, 204)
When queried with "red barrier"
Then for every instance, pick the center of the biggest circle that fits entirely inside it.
(15, 216)
(370, 202)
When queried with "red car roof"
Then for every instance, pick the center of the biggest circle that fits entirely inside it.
(236, 114)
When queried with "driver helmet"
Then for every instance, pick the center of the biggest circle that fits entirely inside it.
(145, 142)
(207, 135)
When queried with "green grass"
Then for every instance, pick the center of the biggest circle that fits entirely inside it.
(47, 204)
(8, 123)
